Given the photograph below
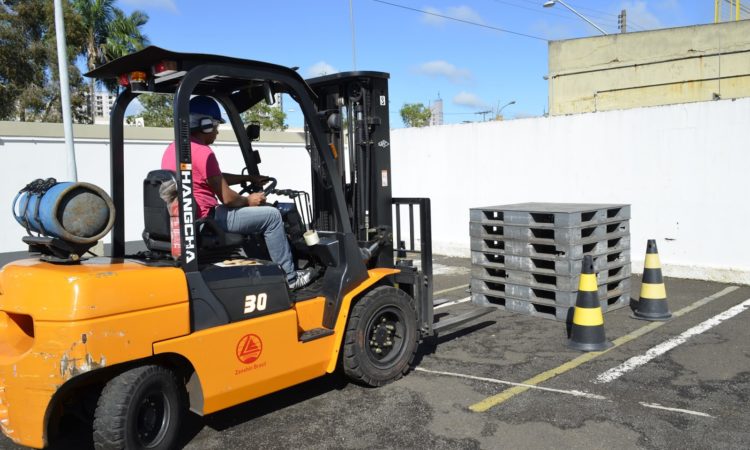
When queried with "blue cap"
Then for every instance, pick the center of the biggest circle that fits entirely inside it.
(203, 106)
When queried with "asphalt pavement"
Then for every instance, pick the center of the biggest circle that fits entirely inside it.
(509, 381)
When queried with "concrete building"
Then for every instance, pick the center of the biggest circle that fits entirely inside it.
(436, 110)
(660, 67)
(103, 102)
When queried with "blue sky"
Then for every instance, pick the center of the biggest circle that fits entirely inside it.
(472, 68)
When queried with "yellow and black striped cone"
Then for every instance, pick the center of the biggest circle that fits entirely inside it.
(587, 330)
(653, 302)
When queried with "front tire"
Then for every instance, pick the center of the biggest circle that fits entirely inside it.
(139, 409)
(381, 337)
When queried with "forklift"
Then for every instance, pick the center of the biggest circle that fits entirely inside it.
(129, 342)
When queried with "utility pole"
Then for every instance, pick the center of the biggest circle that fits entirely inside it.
(62, 62)
(622, 23)
(484, 114)
(354, 46)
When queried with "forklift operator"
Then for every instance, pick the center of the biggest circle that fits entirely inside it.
(237, 214)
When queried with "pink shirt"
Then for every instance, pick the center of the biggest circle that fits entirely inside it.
(205, 165)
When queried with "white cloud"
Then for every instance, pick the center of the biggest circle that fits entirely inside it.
(440, 68)
(640, 16)
(468, 99)
(431, 18)
(465, 13)
(670, 5)
(320, 68)
(164, 4)
(457, 12)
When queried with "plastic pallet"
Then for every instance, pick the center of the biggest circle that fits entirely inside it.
(554, 236)
(554, 282)
(545, 265)
(565, 282)
(560, 313)
(562, 252)
(563, 215)
(545, 296)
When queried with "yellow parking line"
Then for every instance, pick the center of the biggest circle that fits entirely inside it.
(495, 400)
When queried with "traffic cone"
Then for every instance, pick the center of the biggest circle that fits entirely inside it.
(587, 330)
(653, 302)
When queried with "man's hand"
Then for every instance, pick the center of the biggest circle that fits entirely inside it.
(256, 199)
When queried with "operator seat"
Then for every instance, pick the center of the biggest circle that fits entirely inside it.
(213, 242)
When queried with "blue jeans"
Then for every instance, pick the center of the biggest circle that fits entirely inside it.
(260, 219)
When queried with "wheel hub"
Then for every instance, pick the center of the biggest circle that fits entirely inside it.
(381, 336)
(152, 416)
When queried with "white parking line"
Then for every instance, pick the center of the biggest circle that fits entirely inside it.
(510, 383)
(572, 392)
(632, 363)
(679, 410)
(450, 289)
(454, 302)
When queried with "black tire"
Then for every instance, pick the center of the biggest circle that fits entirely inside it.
(139, 409)
(381, 337)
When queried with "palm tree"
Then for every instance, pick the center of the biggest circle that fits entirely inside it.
(125, 34)
(96, 16)
(110, 33)
(124, 37)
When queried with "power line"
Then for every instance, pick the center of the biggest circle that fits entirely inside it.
(608, 20)
(535, 10)
(606, 17)
(462, 20)
(537, 3)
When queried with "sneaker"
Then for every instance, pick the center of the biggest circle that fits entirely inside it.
(303, 278)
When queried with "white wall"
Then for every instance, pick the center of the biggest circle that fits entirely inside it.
(24, 159)
(683, 168)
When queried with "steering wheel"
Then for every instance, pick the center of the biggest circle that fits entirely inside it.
(267, 190)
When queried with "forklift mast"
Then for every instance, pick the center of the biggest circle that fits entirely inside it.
(354, 109)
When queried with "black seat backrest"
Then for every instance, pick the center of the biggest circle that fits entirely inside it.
(156, 234)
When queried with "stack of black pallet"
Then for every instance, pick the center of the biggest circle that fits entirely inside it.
(527, 257)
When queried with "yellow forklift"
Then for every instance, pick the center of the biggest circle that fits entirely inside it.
(129, 342)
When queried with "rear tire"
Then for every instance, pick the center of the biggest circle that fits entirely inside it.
(139, 409)
(381, 337)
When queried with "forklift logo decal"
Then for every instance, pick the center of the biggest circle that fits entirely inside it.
(249, 348)
(187, 213)
(383, 144)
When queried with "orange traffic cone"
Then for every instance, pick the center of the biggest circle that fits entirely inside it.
(587, 331)
(653, 302)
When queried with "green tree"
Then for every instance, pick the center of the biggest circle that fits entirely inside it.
(157, 110)
(95, 18)
(29, 78)
(415, 115)
(125, 35)
(267, 116)
(109, 33)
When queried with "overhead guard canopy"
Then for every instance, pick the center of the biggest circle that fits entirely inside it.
(145, 59)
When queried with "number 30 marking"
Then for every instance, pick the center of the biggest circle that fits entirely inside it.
(253, 302)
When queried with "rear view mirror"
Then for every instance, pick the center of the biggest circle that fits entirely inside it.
(270, 99)
(253, 131)
(334, 122)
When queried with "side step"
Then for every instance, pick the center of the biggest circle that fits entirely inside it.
(316, 333)
(462, 319)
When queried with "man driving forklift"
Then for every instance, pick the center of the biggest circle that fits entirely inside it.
(237, 213)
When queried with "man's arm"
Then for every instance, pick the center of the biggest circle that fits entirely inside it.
(233, 179)
(221, 188)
